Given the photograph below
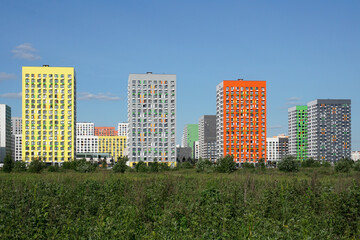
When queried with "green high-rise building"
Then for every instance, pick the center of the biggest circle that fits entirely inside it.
(298, 132)
(190, 135)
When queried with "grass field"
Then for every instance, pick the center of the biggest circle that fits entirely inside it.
(247, 204)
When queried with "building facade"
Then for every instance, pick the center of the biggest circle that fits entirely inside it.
(190, 135)
(298, 132)
(5, 131)
(85, 129)
(207, 137)
(105, 131)
(87, 144)
(123, 129)
(113, 145)
(196, 153)
(16, 125)
(241, 120)
(17, 147)
(152, 118)
(49, 113)
(277, 147)
(183, 153)
(321, 130)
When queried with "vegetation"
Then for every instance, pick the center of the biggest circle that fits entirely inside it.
(36, 166)
(344, 165)
(288, 164)
(8, 163)
(120, 166)
(225, 165)
(183, 204)
(204, 165)
(19, 166)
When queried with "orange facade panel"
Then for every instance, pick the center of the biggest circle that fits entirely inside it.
(244, 120)
(105, 131)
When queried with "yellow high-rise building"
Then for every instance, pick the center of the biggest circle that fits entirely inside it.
(49, 113)
(114, 145)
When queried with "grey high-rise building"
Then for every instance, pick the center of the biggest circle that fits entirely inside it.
(329, 129)
(321, 130)
(16, 131)
(5, 131)
(207, 137)
(16, 125)
(152, 118)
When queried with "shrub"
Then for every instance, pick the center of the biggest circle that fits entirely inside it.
(163, 167)
(154, 166)
(185, 165)
(8, 163)
(120, 166)
(357, 166)
(53, 168)
(288, 164)
(204, 165)
(309, 163)
(19, 166)
(248, 165)
(84, 166)
(261, 164)
(69, 165)
(226, 165)
(141, 167)
(343, 165)
(36, 166)
(325, 164)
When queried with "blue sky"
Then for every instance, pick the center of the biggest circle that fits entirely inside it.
(303, 49)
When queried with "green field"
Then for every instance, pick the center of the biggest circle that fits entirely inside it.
(247, 204)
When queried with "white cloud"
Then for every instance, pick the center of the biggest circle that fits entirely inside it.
(294, 99)
(25, 51)
(98, 96)
(11, 95)
(275, 127)
(7, 76)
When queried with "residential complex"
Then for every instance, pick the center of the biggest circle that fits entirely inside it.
(105, 131)
(115, 146)
(207, 137)
(5, 131)
(85, 129)
(277, 147)
(190, 135)
(123, 129)
(321, 130)
(152, 118)
(16, 147)
(87, 144)
(241, 120)
(49, 113)
(196, 150)
(16, 125)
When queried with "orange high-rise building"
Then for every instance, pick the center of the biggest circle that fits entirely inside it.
(241, 120)
(105, 131)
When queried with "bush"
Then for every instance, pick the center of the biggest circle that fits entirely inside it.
(84, 166)
(154, 166)
(36, 166)
(8, 163)
(53, 168)
(120, 166)
(226, 165)
(357, 166)
(163, 167)
(247, 165)
(288, 164)
(19, 166)
(204, 165)
(343, 165)
(69, 165)
(325, 164)
(141, 167)
(185, 165)
(261, 164)
(310, 163)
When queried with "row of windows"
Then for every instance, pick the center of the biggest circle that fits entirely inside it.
(47, 75)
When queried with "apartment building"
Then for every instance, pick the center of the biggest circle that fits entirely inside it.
(85, 129)
(5, 131)
(207, 137)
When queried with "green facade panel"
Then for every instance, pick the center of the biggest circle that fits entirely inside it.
(301, 132)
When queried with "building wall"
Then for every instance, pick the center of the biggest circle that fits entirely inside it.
(5, 131)
(85, 129)
(190, 135)
(207, 137)
(152, 117)
(114, 145)
(105, 131)
(277, 148)
(329, 129)
(183, 153)
(241, 120)
(196, 153)
(49, 113)
(17, 147)
(16, 125)
(123, 129)
(87, 144)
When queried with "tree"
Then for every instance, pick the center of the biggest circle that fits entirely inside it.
(120, 166)
(288, 164)
(19, 166)
(204, 165)
(226, 164)
(154, 166)
(344, 165)
(8, 163)
(36, 166)
(141, 167)
(261, 164)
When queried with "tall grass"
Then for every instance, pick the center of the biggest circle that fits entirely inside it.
(311, 204)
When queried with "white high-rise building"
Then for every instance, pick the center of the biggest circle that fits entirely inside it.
(16, 125)
(17, 147)
(87, 144)
(5, 131)
(196, 150)
(123, 129)
(85, 129)
(276, 148)
(151, 117)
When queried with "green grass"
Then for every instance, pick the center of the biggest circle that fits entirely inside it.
(247, 204)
